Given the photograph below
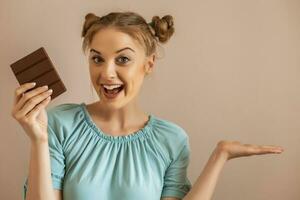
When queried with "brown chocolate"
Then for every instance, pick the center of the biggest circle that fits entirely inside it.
(37, 67)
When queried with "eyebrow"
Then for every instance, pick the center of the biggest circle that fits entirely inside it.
(94, 50)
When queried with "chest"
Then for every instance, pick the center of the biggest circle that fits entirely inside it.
(115, 172)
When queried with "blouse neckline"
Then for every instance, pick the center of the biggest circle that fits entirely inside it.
(141, 133)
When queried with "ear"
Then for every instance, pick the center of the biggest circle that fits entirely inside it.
(149, 64)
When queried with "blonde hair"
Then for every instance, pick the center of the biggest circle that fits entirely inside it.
(147, 34)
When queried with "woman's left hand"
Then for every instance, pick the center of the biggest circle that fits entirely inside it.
(234, 149)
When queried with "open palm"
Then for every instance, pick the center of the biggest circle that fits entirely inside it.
(234, 149)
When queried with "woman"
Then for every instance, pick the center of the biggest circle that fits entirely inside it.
(111, 149)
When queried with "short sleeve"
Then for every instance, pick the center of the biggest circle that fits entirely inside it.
(176, 182)
(57, 161)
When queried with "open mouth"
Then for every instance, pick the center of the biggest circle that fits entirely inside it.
(112, 93)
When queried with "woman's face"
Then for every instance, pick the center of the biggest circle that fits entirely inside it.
(116, 58)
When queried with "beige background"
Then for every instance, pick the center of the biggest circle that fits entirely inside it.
(231, 71)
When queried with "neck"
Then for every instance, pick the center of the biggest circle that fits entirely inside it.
(120, 119)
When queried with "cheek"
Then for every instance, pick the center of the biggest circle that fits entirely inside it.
(94, 76)
(134, 85)
(91, 71)
(134, 80)
(93, 79)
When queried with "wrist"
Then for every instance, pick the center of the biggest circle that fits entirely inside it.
(221, 153)
(39, 141)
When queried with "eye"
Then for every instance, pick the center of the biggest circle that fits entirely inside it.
(122, 59)
(97, 59)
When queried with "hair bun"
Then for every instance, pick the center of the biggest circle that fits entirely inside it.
(163, 27)
(169, 20)
(90, 19)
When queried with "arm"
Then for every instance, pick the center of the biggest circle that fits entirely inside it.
(29, 110)
(225, 150)
(206, 182)
(39, 179)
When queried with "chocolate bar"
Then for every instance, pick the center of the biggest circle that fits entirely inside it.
(37, 67)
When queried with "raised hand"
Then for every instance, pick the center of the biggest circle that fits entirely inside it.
(234, 149)
(29, 110)
(205, 184)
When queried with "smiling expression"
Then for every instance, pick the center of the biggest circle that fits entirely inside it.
(116, 58)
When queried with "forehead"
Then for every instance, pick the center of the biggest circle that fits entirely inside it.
(109, 40)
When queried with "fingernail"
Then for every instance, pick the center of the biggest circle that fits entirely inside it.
(33, 83)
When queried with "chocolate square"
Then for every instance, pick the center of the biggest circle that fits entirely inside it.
(37, 67)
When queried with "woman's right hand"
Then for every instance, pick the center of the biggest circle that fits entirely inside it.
(29, 111)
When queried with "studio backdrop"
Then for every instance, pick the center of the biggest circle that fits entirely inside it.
(230, 72)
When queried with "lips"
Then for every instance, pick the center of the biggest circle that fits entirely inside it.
(105, 92)
(115, 90)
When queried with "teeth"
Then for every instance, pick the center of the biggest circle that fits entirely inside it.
(110, 87)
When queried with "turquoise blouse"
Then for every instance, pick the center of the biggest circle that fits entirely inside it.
(88, 164)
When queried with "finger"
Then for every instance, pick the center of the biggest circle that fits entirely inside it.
(249, 145)
(258, 150)
(20, 90)
(29, 105)
(272, 147)
(29, 95)
(37, 109)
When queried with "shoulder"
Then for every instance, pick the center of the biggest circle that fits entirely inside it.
(170, 129)
(172, 136)
(63, 117)
(62, 108)
(63, 112)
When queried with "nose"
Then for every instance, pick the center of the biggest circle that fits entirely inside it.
(109, 71)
